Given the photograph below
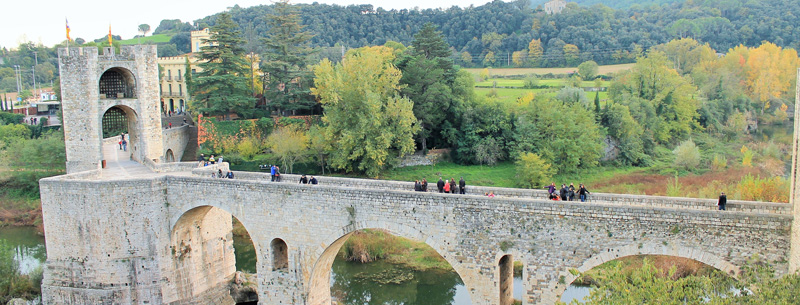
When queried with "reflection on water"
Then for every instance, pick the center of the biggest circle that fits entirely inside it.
(576, 292)
(353, 283)
(29, 250)
(245, 254)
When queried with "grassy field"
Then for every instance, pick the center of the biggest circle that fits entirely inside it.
(556, 83)
(502, 174)
(605, 70)
(149, 39)
(510, 96)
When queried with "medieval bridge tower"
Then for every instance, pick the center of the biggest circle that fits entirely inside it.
(110, 89)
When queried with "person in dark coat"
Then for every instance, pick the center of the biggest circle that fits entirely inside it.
(571, 194)
(417, 186)
(453, 186)
(582, 192)
(563, 192)
(462, 185)
(440, 185)
(313, 180)
(722, 201)
(303, 179)
(424, 185)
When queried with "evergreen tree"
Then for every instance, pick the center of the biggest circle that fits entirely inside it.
(286, 78)
(187, 78)
(429, 79)
(597, 103)
(222, 86)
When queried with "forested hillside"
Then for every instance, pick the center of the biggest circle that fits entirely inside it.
(579, 33)
(616, 4)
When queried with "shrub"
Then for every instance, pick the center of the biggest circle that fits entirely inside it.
(754, 188)
(687, 155)
(248, 147)
(747, 156)
(533, 171)
(719, 163)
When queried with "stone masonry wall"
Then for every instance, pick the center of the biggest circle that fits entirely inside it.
(794, 259)
(175, 139)
(167, 238)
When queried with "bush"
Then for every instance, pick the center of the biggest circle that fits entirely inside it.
(533, 171)
(687, 155)
(754, 188)
(719, 163)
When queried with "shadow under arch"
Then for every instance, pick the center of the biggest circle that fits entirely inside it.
(117, 83)
(319, 291)
(201, 245)
(647, 249)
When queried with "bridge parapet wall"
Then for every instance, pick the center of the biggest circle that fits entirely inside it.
(615, 199)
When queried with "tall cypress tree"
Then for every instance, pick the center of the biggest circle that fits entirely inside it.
(286, 77)
(222, 86)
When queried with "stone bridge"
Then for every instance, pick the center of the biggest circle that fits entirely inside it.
(166, 237)
(132, 227)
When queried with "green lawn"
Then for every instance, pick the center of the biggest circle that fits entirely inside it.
(500, 175)
(149, 39)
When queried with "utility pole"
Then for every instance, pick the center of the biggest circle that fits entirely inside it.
(16, 75)
(36, 62)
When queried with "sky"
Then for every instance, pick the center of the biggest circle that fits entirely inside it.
(31, 20)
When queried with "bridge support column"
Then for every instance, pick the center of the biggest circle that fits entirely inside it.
(794, 198)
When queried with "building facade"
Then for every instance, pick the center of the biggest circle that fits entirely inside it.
(555, 6)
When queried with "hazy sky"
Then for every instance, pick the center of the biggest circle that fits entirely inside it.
(32, 20)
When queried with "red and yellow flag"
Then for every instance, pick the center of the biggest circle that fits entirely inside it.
(109, 36)
(67, 23)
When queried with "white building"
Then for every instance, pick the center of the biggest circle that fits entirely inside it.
(555, 6)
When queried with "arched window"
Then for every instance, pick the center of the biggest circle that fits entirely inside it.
(280, 255)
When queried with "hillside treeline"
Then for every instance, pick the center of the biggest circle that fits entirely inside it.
(579, 33)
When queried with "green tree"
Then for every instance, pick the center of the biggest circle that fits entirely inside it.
(222, 86)
(564, 133)
(625, 133)
(285, 62)
(428, 80)
(588, 70)
(368, 122)
(144, 29)
(658, 97)
(533, 171)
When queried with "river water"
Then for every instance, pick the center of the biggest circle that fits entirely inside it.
(351, 283)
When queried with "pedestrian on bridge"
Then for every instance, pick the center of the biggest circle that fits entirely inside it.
(272, 172)
(453, 187)
(440, 185)
(462, 185)
(447, 186)
(582, 192)
(313, 180)
(303, 179)
(424, 185)
(722, 201)
(563, 192)
(551, 188)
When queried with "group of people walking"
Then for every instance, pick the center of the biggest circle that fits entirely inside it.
(443, 186)
(567, 193)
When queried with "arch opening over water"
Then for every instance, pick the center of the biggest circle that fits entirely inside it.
(336, 277)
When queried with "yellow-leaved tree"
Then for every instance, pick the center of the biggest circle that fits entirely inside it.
(289, 143)
(770, 72)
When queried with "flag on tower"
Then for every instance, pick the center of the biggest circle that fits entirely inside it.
(67, 23)
(109, 36)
